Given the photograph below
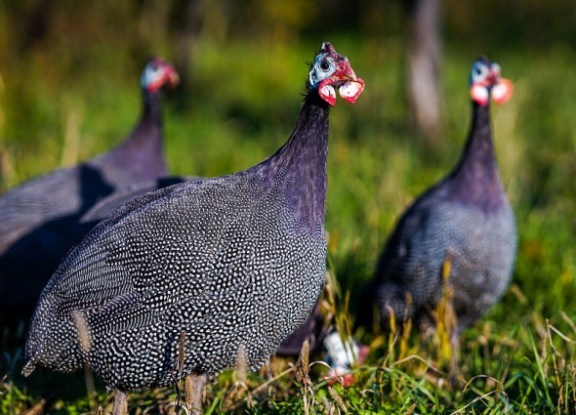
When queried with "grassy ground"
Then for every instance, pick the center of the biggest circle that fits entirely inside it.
(243, 103)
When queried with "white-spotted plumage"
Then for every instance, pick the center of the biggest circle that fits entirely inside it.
(40, 219)
(208, 267)
(464, 220)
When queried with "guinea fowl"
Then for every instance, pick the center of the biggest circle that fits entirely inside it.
(39, 220)
(186, 281)
(312, 329)
(464, 220)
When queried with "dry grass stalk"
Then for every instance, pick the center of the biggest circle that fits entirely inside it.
(412, 408)
(562, 368)
(338, 399)
(37, 409)
(72, 139)
(446, 321)
(82, 329)
(234, 396)
(181, 353)
(302, 371)
(85, 342)
(302, 368)
(329, 407)
(241, 371)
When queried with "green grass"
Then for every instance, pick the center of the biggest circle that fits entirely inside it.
(243, 103)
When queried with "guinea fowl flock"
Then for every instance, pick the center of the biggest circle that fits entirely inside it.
(149, 279)
(40, 220)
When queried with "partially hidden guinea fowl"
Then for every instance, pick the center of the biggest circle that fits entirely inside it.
(465, 221)
(39, 220)
(186, 281)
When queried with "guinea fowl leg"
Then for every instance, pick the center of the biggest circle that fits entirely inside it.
(120, 403)
(194, 386)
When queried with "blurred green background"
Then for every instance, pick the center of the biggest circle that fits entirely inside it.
(69, 89)
(69, 75)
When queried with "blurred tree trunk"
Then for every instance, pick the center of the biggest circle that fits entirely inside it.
(37, 23)
(187, 20)
(423, 59)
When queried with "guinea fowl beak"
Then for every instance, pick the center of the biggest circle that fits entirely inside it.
(501, 88)
(173, 77)
(343, 72)
(349, 85)
(493, 77)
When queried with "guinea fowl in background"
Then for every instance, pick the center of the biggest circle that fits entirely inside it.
(464, 221)
(39, 220)
(186, 281)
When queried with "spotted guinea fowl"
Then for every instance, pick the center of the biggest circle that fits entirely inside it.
(464, 220)
(39, 219)
(185, 281)
(312, 329)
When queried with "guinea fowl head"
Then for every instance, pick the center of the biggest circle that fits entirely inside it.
(158, 74)
(486, 82)
(331, 71)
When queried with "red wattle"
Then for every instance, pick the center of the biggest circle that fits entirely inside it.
(502, 91)
(480, 94)
(327, 92)
(351, 90)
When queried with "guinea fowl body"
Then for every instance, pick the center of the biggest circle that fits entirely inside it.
(184, 280)
(465, 219)
(39, 220)
(312, 329)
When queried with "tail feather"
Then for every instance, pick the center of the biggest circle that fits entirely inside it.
(28, 368)
(53, 341)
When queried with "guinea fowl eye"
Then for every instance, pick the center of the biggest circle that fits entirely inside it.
(478, 72)
(324, 65)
